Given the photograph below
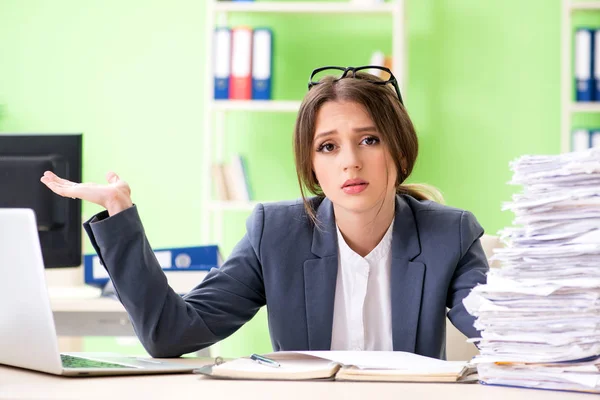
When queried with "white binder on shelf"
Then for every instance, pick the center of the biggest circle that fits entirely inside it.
(222, 62)
(595, 138)
(584, 85)
(262, 63)
(581, 140)
(596, 65)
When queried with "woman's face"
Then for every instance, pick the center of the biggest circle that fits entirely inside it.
(352, 164)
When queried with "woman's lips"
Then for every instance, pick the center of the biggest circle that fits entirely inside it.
(355, 188)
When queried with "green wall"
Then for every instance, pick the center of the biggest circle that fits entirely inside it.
(483, 88)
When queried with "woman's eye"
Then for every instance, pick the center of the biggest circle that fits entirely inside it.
(371, 140)
(326, 147)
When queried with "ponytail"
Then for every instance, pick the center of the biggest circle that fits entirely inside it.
(421, 191)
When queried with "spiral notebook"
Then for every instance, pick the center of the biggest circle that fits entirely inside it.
(391, 366)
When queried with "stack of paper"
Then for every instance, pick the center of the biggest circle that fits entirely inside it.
(539, 313)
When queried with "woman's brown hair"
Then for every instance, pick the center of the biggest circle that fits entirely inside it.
(391, 121)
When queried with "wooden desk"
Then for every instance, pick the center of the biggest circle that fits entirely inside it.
(100, 316)
(21, 384)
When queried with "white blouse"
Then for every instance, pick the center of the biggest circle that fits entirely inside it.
(362, 311)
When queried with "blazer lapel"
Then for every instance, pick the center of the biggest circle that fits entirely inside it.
(320, 277)
(407, 278)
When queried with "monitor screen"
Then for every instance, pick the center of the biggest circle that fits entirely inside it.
(23, 160)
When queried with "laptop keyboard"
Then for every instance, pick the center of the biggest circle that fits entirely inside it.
(78, 362)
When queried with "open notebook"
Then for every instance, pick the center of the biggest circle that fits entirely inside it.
(392, 366)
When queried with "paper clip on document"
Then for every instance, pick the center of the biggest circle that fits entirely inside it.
(265, 361)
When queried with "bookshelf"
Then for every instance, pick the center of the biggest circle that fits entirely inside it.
(216, 111)
(304, 7)
(570, 107)
(256, 105)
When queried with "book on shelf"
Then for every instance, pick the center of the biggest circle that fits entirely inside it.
(382, 366)
(220, 181)
(380, 59)
(231, 180)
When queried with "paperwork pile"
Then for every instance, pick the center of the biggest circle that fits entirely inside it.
(539, 314)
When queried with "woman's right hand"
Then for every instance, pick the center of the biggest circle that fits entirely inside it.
(114, 196)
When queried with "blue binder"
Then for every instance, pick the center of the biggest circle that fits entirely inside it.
(262, 63)
(222, 62)
(584, 65)
(180, 259)
(596, 64)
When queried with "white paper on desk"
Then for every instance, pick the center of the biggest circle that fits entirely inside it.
(538, 377)
(397, 360)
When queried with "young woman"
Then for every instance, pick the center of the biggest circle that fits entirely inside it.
(368, 263)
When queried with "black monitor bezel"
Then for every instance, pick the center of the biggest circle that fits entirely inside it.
(60, 248)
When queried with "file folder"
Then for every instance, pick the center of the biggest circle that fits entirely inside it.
(180, 260)
(595, 138)
(596, 65)
(580, 140)
(584, 45)
(262, 63)
(240, 84)
(222, 62)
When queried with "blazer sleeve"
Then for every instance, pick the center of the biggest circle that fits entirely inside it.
(470, 271)
(167, 324)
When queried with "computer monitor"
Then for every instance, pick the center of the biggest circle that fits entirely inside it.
(23, 160)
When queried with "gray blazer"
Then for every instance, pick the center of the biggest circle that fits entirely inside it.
(289, 265)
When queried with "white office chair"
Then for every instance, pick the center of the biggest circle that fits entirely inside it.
(457, 349)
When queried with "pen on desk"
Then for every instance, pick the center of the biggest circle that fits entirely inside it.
(264, 361)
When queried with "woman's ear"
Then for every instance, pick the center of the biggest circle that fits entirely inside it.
(403, 170)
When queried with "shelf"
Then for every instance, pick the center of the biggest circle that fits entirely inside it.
(304, 7)
(256, 105)
(587, 5)
(232, 205)
(585, 106)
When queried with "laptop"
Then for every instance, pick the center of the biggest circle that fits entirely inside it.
(28, 336)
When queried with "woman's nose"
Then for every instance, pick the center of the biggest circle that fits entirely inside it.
(350, 159)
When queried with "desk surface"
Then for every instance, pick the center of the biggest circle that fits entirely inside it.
(22, 384)
(96, 304)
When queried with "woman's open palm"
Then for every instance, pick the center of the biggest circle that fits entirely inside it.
(115, 196)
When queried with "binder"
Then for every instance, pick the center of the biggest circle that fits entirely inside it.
(584, 45)
(595, 138)
(222, 62)
(596, 65)
(185, 267)
(262, 63)
(580, 140)
(240, 84)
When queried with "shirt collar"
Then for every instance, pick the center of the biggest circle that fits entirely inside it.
(380, 251)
